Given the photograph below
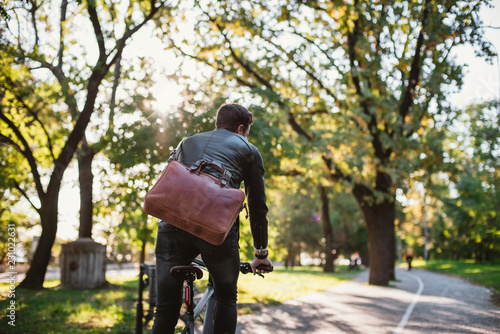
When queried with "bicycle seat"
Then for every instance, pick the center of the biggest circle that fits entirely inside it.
(186, 272)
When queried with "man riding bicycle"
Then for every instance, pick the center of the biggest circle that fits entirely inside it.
(229, 146)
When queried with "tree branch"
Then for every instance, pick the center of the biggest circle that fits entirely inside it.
(129, 32)
(352, 39)
(94, 19)
(372, 124)
(94, 81)
(112, 102)
(23, 193)
(64, 6)
(297, 128)
(32, 11)
(291, 119)
(57, 71)
(20, 98)
(335, 173)
(414, 74)
(310, 41)
(240, 61)
(303, 68)
(7, 140)
(26, 152)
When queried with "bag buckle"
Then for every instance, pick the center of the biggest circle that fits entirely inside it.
(198, 166)
(226, 177)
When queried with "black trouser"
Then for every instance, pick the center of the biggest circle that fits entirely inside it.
(175, 247)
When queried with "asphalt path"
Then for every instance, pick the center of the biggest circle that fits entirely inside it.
(418, 302)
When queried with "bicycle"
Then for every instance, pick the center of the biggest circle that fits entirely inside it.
(190, 274)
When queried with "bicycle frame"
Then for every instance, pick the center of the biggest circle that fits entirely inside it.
(207, 299)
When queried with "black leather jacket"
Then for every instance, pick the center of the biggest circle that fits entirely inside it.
(243, 160)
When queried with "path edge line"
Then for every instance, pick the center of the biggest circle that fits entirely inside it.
(404, 320)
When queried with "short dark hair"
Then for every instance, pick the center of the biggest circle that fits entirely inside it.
(231, 115)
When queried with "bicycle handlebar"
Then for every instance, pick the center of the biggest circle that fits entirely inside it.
(245, 267)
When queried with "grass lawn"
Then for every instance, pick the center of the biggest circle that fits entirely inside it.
(113, 310)
(55, 310)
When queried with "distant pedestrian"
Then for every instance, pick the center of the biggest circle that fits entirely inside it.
(409, 256)
(354, 262)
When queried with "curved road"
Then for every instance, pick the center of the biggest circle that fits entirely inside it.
(419, 302)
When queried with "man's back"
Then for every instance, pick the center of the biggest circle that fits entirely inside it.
(230, 149)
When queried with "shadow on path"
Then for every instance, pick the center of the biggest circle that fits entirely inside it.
(446, 305)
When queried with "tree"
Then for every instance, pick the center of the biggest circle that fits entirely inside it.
(474, 209)
(457, 195)
(37, 53)
(136, 145)
(358, 82)
(349, 228)
(295, 216)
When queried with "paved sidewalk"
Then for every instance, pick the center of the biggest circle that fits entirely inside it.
(419, 302)
(112, 270)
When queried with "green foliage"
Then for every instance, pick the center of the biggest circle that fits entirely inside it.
(134, 145)
(349, 92)
(474, 209)
(349, 228)
(296, 223)
(282, 54)
(341, 93)
(295, 218)
(3, 13)
(30, 131)
(273, 143)
(461, 193)
(58, 77)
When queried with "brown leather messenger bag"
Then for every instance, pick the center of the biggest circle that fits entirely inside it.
(195, 201)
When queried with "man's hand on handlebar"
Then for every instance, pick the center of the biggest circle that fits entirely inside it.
(256, 262)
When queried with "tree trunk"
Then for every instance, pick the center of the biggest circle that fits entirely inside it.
(48, 216)
(329, 266)
(293, 255)
(49, 200)
(85, 156)
(379, 217)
